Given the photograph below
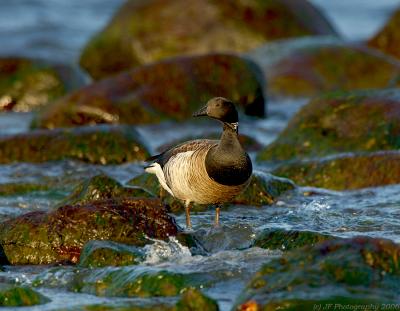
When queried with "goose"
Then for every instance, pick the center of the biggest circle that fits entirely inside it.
(206, 171)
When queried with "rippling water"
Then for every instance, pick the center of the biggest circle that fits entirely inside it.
(57, 30)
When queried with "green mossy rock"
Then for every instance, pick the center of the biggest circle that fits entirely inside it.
(345, 172)
(168, 90)
(58, 236)
(289, 239)
(351, 122)
(121, 307)
(105, 144)
(19, 296)
(263, 189)
(388, 38)
(9, 189)
(194, 300)
(312, 66)
(135, 35)
(102, 187)
(107, 253)
(347, 271)
(27, 84)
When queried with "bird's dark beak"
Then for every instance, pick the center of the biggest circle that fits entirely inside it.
(200, 113)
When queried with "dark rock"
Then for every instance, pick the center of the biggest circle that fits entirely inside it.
(388, 38)
(135, 35)
(172, 89)
(337, 123)
(102, 187)
(18, 296)
(28, 84)
(194, 300)
(345, 172)
(289, 239)
(107, 253)
(311, 66)
(350, 272)
(58, 236)
(94, 144)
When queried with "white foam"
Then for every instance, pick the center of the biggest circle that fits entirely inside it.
(161, 251)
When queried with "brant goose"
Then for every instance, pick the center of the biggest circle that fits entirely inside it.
(206, 171)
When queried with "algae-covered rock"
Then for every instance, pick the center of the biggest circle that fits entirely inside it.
(388, 38)
(171, 89)
(311, 66)
(102, 187)
(27, 84)
(19, 296)
(288, 239)
(135, 35)
(350, 272)
(108, 253)
(194, 300)
(345, 172)
(103, 144)
(57, 236)
(351, 122)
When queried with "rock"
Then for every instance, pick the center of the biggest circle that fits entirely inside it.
(107, 253)
(263, 189)
(13, 188)
(194, 300)
(18, 296)
(311, 66)
(27, 84)
(135, 35)
(388, 38)
(172, 89)
(345, 172)
(102, 187)
(350, 122)
(58, 236)
(350, 272)
(94, 144)
(289, 239)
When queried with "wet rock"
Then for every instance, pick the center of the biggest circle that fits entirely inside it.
(172, 89)
(135, 35)
(58, 236)
(311, 66)
(28, 84)
(18, 296)
(194, 300)
(289, 239)
(102, 187)
(263, 189)
(388, 38)
(99, 145)
(350, 122)
(107, 253)
(345, 172)
(9, 189)
(347, 271)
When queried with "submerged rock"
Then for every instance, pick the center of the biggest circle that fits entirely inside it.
(58, 236)
(264, 189)
(94, 144)
(289, 239)
(311, 66)
(345, 172)
(350, 272)
(108, 253)
(350, 122)
(135, 35)
(194, 300)
(388, 38)
(20, 296)
(29, 84)
(172, 89)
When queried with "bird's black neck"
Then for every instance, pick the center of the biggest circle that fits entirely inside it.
(228, 163)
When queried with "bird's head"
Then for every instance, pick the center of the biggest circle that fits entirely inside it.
(219, 108)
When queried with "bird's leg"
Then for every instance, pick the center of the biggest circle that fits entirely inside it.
(188, 204)
(217, 210)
